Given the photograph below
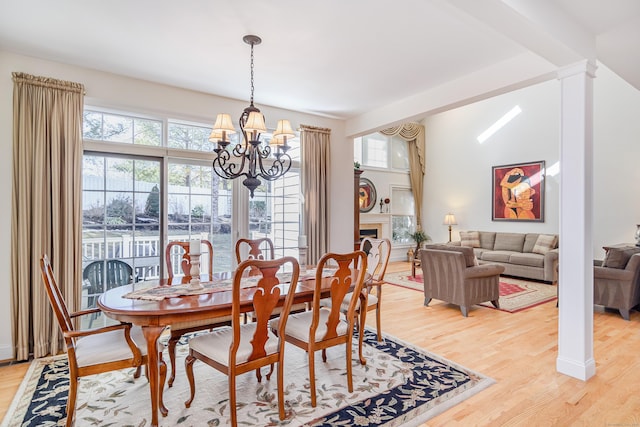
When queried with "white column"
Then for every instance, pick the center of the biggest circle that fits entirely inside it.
(575, 283)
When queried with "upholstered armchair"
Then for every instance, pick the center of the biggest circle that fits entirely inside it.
(451, 275)
(618, 288)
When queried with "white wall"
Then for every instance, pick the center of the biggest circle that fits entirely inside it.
(110, 90)
(458, 175)
(458, 168)
(616, 154)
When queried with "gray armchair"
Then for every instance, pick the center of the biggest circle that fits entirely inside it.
(451, 275)
(618, 288)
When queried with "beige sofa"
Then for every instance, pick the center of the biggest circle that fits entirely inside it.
(526, 255)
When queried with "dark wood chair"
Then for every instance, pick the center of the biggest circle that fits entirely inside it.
(182, 249)
(324, 327)
(98, 350)
(245, 347)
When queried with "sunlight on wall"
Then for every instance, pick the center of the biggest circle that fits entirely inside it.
(553, 170)
(499, 124)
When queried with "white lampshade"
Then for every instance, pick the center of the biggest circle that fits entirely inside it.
(222, 127)
(283, 131)
(255, 123)
(450, 219)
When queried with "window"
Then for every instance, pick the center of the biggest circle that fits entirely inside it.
(144, 186)
(121, 219)
(402, 215)
(381, 151)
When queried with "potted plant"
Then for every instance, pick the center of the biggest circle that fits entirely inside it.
(419, 236)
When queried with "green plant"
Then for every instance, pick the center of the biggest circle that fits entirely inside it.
(356, 165)
(420, 236)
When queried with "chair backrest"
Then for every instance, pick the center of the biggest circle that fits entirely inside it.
(181, 248)
(258, 249)
(341, 284)
(265, 299)
(55, 296)
(104, 275)
(378, 253)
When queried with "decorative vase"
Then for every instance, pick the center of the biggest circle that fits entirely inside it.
(637, 234)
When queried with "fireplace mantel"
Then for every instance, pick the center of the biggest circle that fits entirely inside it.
(379, 221)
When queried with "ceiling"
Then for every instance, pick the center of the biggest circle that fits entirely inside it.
(334, 58)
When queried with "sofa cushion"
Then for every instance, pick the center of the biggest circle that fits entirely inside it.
(530, 242)
(487, 239)
(470, 238)
(530, 259)
(497, 256)
(618, 257)
(509, 242)
(469, 257)
(544, 244)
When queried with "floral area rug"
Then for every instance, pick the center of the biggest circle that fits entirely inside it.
(515, 294)
(399, 385)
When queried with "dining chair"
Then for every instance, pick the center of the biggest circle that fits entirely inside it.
(180, 249)
(98, 350)
(323, 327)
(244, 347)
(178, 329)
(260, 249)
(100, 276)
(378, 252)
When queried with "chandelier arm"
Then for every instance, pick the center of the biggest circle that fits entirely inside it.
(278, 168)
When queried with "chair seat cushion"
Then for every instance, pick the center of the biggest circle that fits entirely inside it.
(372, 300)
(178, 326)
(109, 347)
(215, 345)
(298, 325)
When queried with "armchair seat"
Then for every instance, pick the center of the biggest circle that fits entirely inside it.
(450, 275)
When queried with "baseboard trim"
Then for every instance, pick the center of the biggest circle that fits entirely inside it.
(575, 368)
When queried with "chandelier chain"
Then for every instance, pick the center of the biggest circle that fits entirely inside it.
(252, 87)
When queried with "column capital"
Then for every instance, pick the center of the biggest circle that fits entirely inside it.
(586, 66)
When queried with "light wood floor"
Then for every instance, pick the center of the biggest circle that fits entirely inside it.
(517, 350)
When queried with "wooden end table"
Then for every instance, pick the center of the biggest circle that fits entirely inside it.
(415, 262)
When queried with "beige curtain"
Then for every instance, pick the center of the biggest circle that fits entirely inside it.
(315, 143)
(413, 133)
(46, 212)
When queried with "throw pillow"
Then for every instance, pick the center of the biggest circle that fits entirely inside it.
(544, 244)
(618, 257)
(470, 238)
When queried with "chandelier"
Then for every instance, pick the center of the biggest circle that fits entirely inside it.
(251, 157)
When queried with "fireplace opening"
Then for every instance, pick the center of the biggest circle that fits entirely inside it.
(372, 233)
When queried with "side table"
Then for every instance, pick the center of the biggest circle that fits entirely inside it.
(415, 263)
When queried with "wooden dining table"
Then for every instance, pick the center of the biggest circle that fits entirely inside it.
(153, 316)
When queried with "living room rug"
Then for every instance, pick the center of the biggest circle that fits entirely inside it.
(515, 294)
(399, 385)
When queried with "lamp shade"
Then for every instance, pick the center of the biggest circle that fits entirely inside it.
(255, 123)
(222, 127)
(450, 219)
(283, 131)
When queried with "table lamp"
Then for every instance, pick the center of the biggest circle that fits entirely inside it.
(450, 219)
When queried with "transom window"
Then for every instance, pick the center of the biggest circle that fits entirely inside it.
(380, 151)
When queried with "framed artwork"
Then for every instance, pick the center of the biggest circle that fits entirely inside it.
(518, 192)
(367, 195)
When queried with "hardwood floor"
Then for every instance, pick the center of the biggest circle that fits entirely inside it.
(517, 350)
